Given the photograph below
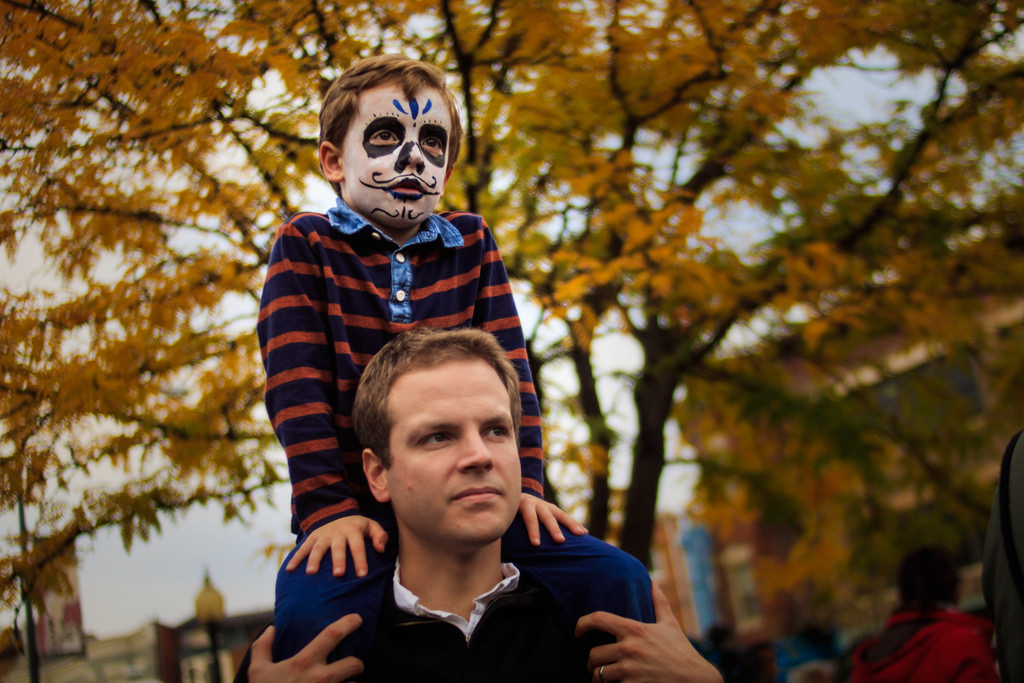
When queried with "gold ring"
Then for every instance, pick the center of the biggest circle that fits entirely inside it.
(600, 673)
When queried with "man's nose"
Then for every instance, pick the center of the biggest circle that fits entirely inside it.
(475, 454)
(410, 156)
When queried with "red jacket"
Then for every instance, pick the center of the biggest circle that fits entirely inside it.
(933, 646)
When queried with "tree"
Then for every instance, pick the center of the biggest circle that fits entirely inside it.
(150, 149)
(643, 134)
(878, 238)
(128, 379)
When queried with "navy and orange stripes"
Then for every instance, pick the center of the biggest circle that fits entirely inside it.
(325, 312)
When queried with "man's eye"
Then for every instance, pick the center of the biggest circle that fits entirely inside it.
(498, 432)
(437, 437)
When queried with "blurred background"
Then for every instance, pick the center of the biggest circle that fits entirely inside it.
(766, 252)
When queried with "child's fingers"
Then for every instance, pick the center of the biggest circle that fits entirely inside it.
(378, 536)
(299, 555)
(357, 547)
(569, 521)
(551, 524)
(316, 554)
(532, 527)
(338, 556)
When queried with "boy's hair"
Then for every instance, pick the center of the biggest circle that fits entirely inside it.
(420, 349)
(928, 578)
(342, 98)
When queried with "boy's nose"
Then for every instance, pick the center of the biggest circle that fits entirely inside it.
(410, 156)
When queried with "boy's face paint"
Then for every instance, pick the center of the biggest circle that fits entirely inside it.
(394, 156)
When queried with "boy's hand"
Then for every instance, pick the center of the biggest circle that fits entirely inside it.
(535, 512)
(337, 536)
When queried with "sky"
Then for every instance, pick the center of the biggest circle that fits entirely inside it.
(159, 579)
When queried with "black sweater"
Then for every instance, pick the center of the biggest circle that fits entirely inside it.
(519, 639)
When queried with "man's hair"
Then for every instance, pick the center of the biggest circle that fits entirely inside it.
(928, 577)
(342, 98)
(421, 349)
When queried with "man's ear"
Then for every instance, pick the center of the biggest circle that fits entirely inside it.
(374, 468)
(330, 162)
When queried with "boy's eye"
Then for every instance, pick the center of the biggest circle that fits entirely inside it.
(433, 145)
(434, 142)
(384, 137)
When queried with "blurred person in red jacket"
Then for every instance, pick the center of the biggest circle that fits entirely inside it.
(927, 639)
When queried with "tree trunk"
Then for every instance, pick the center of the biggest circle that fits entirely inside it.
(652, 396)
(600, 441)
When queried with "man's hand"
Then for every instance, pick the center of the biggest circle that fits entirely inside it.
(337, 536)
(536, 511)
(310, 665)
(646, 653)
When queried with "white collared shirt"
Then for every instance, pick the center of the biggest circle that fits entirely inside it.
(407, 601)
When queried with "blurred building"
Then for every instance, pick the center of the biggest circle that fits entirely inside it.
(712, 579)
(59, 625)
(682, 566)
(716, 595)
(154, 653)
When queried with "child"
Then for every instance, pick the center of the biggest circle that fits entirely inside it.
(338, 287)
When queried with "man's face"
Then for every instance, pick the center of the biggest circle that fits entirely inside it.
(454, 480)
(393, 161)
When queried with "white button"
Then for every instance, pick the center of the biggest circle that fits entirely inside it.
(400, 257)
(376, 235)
(400, 295)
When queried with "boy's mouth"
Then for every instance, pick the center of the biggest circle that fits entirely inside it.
(407, 188)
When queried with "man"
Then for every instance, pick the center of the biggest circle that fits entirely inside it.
(927, 639)
(438, 413)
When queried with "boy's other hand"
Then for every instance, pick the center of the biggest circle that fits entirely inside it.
(535, 512)
(338, 536)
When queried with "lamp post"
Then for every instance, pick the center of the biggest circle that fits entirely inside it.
(210, 614)
(30, 622)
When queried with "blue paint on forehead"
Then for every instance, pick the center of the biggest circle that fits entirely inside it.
(414, 107)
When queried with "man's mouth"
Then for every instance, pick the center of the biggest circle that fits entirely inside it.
(479, 493)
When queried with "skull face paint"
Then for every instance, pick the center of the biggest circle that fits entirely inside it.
(393, 158)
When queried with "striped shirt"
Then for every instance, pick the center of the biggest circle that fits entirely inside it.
(336, 291)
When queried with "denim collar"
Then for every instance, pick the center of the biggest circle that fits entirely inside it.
(348, 222)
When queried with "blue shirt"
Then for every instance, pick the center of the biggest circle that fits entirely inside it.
(348, 222)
